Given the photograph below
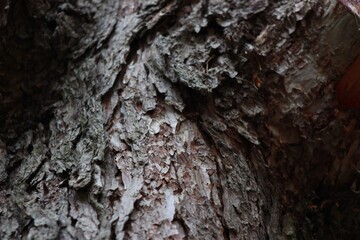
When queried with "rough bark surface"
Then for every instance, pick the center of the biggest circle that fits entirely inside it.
(177, 119)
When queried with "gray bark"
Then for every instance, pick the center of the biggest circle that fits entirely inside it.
(158, 119)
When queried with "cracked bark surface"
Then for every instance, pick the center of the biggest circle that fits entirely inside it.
(176, 119)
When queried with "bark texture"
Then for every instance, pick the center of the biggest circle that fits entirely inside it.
(177, 119)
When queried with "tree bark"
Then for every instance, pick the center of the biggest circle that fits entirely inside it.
(177, 119)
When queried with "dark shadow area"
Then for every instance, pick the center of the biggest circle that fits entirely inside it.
(31, 65)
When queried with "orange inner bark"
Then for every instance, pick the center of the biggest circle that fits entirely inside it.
(348, 88)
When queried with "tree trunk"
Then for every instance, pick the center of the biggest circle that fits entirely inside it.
(177, 119)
